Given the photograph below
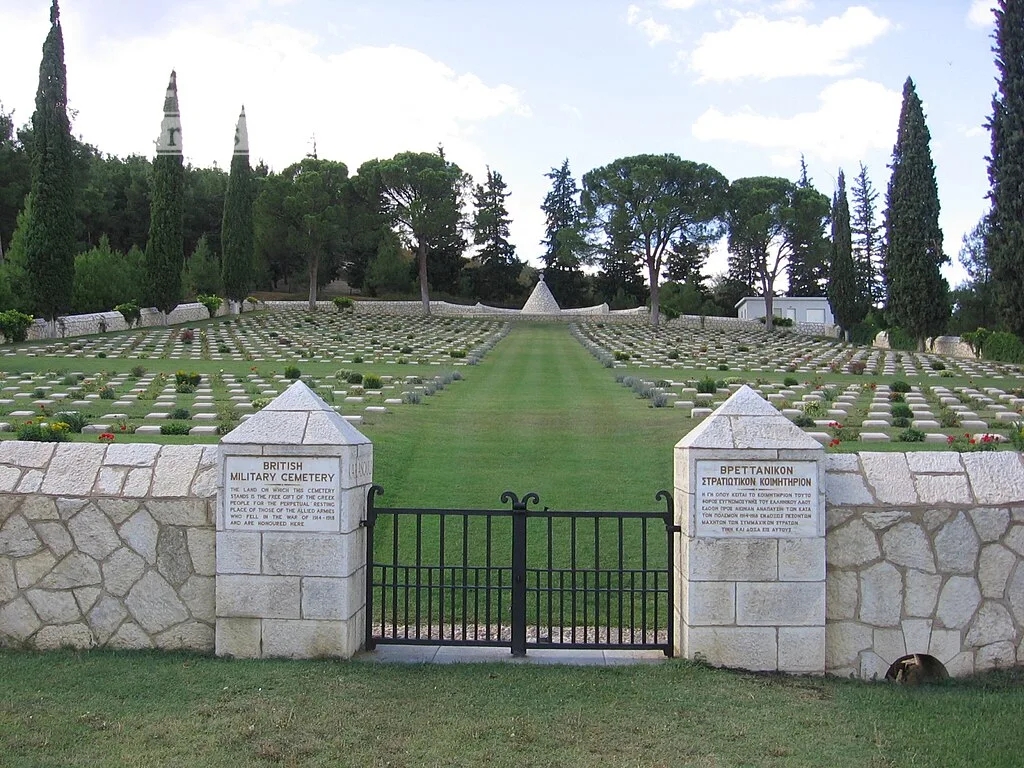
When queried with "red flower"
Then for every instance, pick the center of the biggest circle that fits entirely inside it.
(107, 437)
(950, 439)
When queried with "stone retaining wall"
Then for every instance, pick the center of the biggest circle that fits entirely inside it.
(102, 322)
(115, 546)
(924, 555)
(107, 545)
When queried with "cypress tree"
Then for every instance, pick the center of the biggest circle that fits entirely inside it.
(847, 303)
(165, 254)
(237, 229)
(50, 236)
(1005, 238)
(868, 244)
(917, 292)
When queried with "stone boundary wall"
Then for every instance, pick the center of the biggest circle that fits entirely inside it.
(953, 346)
(107, 545)
(447, 309)
(99, 322)
(714, 322)
(115, 546)
(924, 554)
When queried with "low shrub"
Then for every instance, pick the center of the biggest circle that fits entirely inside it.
(183, 377)
(621, 356)
(910, 435)
(107, 392)
(180, 414)
(73, 419)
(901, 421)
(803, 421)
(138, 371)
(372, 381)
(212, 303)
(413, 398)
(857, 367)
(259, 403)
(949, 419)
(44, 432)
(175, 428)
(185, 388)
(355, 378)
(790, 381)
(899, 386)
(1003, 347)
(130, 311)
(292, 372)
(343, 303)
(707, 386)
(188, 336)
(902, 411)
(14, 325)
(967, 443)
(458, 354)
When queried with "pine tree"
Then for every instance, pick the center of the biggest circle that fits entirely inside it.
(237, 228)
(808, 265)
(50, 238)
(496, 276)
(565, 243)
(165, 249)
(848, 304)
(917, 292)
(1005, 240)
(868, 241)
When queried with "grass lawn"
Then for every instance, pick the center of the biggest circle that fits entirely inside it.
(141, 709)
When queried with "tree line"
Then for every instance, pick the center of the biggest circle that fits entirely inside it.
(84, 230)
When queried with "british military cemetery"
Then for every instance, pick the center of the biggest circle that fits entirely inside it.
(312, 466)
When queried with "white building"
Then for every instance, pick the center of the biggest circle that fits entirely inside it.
(809, 309)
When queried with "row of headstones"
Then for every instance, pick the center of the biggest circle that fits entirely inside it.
(790, 352)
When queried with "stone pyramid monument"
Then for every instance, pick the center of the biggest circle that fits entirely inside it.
(541, 302)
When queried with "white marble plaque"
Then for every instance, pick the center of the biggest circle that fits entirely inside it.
(285, 493)
(767, 499)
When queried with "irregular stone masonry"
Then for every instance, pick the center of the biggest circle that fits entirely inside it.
(924, 555)
(107, 545)
(114, 546)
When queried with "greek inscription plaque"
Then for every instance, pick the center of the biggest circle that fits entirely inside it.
(768, 499)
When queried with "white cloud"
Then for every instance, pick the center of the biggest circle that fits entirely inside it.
(980, 13)
(792, 6)
(757, 47)
(679, 5)
(654, 31)
(853, 117)
(360, 103)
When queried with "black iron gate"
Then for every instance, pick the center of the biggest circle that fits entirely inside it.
(519, 578)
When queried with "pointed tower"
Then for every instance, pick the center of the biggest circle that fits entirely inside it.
(241, 135)
(169, 142)
(541, 302)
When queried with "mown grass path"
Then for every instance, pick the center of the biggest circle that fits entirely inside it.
(538, 414)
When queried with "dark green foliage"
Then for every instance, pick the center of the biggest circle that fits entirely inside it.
(767, 216)
(372, 381)
(165, 251)
(202, 272)
(917, 298)
(50, 239)
(645, 203)
(188, 377)
(901, 340)
(354, 378)
(237, 232)
(707, 386)
(15, 177)
(1003, 347)
(682, 299)
(104, 278)
(343, 303)
(422, 194)
(565, 243)
(497, 272)
(175, 428)
(14, 325)
(910, 435)
(129, 311)
(975, 303)
(43, 432)
(848, 305)
(1005, 241)
(867, 239)
(292, 372)
(212, 303)
(899, 385)
(901, 411)
(180, 414)
(73, 419)
(809, 262)
(976, 339)
(388, 272)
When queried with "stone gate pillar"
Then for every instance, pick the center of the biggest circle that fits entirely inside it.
(750, 561)
(290, 551)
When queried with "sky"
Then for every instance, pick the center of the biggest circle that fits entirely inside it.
(746, 86)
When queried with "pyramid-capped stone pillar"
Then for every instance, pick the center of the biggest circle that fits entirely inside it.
(749, 565)
(291, 555)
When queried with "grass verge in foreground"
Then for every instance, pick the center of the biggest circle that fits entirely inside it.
(143, 709)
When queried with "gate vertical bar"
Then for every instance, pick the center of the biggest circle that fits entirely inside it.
(519, 568)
